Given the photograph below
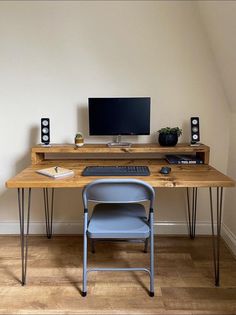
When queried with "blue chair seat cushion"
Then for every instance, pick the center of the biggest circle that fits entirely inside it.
(118, 221)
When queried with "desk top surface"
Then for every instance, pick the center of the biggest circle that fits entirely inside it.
(135, 148)
(180, 176)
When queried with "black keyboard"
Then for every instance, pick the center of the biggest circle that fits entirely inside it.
(116, 171)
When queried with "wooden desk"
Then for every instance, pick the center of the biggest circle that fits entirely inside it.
(191, 177)
(180, 176)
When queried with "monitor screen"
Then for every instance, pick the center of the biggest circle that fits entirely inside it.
(119, 116)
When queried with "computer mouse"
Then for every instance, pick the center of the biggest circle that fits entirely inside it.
(165, 170)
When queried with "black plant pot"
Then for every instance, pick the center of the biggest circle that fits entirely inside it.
(168, 140)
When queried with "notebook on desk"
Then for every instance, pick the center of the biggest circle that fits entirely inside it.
(56, 172)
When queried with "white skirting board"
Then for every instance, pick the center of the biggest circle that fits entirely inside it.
(161, 228)
(229, 238)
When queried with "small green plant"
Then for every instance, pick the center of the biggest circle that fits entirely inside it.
(79, 135)
(168, 131)
(79, 139)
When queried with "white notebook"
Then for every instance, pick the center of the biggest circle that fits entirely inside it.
(56, 172)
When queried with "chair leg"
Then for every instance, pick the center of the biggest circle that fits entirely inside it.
(146, 246)
(84, 291)
(151, 293)
(92, 246)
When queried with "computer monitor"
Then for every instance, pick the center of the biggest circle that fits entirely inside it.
(119, 116)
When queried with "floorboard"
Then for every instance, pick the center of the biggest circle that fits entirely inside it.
(183, 278)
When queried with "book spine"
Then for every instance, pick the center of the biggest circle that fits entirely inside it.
(190, 162)
(179, 159)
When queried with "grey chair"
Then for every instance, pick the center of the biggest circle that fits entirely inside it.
(118, 215)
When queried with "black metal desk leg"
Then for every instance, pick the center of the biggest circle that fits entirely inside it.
(48, 210)
(216, 237)
(192, 211)
(23, 235)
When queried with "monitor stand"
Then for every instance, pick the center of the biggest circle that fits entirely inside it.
(118, 144)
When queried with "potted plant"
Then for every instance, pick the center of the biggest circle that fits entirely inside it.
(168, 137)
(79, 139)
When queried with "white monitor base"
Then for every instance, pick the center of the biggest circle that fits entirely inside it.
(119, 144)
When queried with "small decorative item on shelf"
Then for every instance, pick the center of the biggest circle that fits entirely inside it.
(79, 139)
(168, 137)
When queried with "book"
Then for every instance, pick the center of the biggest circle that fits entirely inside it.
(56, 172)
(183, 159)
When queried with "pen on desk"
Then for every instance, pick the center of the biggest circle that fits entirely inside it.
(56, 169)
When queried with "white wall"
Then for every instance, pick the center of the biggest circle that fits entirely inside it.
(229, 218)
(54, 55)
(219, 18)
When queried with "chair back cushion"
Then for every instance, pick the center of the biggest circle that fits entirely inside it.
(118, 191)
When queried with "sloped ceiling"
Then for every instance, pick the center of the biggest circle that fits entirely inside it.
(219, 19)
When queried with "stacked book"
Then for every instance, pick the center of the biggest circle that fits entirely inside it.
(183, 159)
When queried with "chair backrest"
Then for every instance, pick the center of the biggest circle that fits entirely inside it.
(118, 191)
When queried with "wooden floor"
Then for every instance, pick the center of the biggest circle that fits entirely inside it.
(183, 278)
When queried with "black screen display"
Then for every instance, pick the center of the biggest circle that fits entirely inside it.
(119, 116)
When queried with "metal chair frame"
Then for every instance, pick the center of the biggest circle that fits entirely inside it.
(118, 191)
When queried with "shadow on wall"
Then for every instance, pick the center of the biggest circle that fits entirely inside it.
(25, 160)
(186, 131)
(83, 121)
(8, 197)
(154, 137)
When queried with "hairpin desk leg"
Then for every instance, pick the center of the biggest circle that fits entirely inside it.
(48, 210)
(216, 237)
(23, 235)
(192, 211)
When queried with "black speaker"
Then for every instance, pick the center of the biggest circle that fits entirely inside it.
(45, 131)
(195, 130)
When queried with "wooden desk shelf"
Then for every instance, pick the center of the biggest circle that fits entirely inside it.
(38, 153)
